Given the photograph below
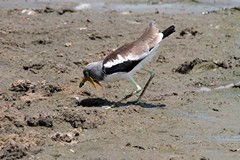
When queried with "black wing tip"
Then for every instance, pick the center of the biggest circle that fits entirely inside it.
(168, 31)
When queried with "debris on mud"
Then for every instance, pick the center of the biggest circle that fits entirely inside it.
(85, 119)
(13, 150)
(63, 137)
(23, 86)
(66, 137)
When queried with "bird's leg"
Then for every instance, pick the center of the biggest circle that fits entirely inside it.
(129, 95)
(134, 92)
(152, 74)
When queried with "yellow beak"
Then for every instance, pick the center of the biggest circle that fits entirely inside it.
(88, 78)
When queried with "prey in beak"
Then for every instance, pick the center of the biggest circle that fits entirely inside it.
(90, 79)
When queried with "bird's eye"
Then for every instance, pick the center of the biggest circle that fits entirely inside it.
(85, 73)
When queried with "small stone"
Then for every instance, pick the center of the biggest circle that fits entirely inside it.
(68, 44)
(214, 109)
(32, 121)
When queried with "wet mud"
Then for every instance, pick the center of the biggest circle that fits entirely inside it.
(45, 115)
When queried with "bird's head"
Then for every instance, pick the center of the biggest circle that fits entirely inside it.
(92, 73)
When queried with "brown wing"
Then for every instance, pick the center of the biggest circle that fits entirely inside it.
(136, 50)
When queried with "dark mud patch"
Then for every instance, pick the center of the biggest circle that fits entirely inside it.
(47, 10)
(29, 91)
(31, 87)
(12, 150)
(84, 118)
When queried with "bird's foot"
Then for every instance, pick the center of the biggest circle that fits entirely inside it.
(115, 105)
(133, 101)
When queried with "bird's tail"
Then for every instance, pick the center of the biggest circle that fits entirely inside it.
(168, 31)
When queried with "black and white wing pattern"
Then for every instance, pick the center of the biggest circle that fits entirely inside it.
(125, 58)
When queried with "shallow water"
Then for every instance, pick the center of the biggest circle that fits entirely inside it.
(227, 138)
(167, 8)
(202, 6)
(199, 115)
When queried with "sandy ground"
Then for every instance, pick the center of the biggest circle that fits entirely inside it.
(44, 115)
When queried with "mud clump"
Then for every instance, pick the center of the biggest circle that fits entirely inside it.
(85, 119)
(50, 89)
(22, 86)
(41, 121)
(186, 67)
(66, 137)
(199, 65)
(189, 32)
(12, 150)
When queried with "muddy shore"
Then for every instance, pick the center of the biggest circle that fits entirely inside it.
(44, 115)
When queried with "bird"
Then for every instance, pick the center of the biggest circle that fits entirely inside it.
(125, 61)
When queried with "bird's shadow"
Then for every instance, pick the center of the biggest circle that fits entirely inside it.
(100, 102)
